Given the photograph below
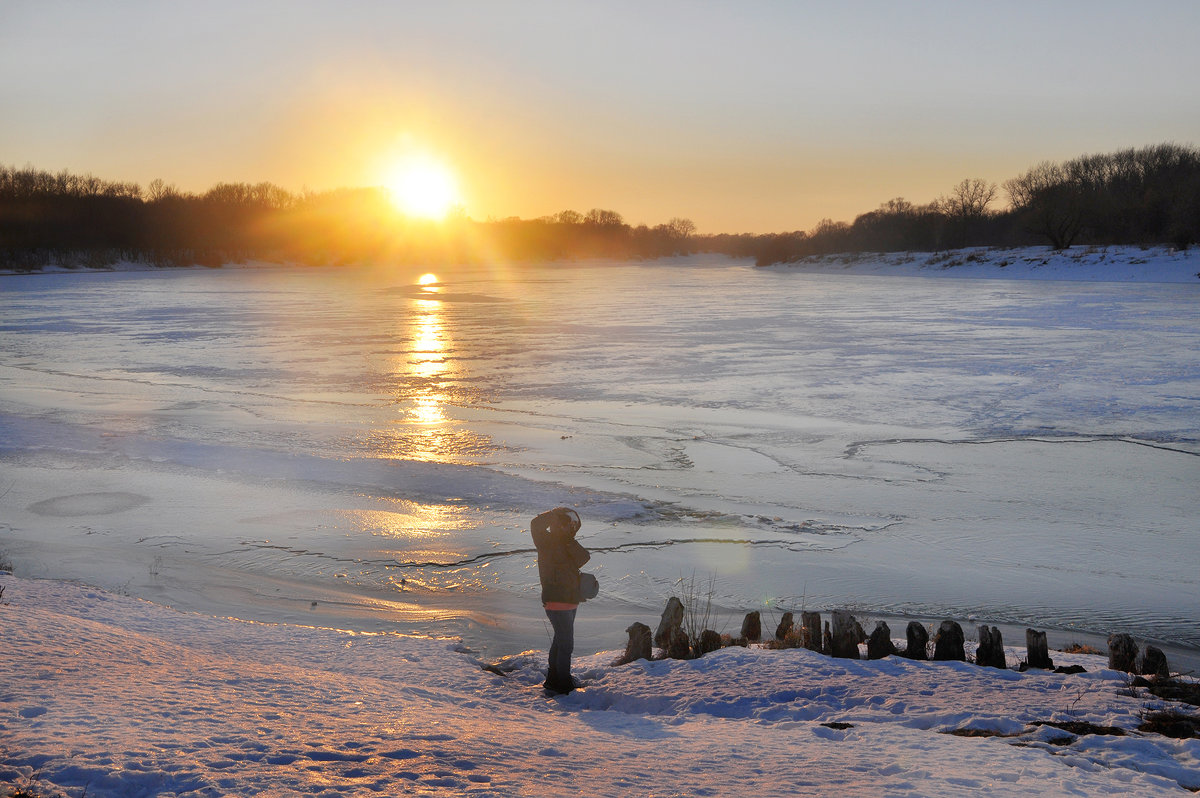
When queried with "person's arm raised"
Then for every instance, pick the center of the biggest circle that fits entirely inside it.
(539, 527)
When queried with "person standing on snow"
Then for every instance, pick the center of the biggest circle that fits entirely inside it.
(559, 558)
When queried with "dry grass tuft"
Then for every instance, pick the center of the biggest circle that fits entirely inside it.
(980, 733)
(1185, 692)
(1173, 723)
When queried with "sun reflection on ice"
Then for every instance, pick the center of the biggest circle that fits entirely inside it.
(426, 381)
(426, 372)
(416, 521)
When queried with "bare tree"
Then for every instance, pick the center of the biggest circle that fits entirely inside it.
(898, 205)
(158, 190)
(602, 218)
(1051, 202)
(969, 199)
(679, 227)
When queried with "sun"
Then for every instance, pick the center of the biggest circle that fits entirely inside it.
(422, 187)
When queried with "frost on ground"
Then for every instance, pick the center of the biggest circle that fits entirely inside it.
(109, 695)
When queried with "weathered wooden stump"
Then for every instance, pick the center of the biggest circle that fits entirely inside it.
(845, 635)
(1037, 653)
(679, 646)
(638, 646)
(990, 653)
(709, 642)
(1153, 663)
(948, 643)
(879, 644)
(752, 627)
(810, 623)
(669, 624)
(918, 641)
(1122, 653)
(786, 624)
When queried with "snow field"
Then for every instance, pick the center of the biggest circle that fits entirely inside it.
(120, 697)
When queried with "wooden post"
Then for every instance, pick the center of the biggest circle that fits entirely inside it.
(679, 647)
(1037, 654)
(785, 626)
(672, 619)
(879, 644)
(709, 642)
(990, 653)
(752, 627)
(948, 643)
(918, 641)
(1122, 653)
(810, 623)
(1153, 663)
(638, 646)
(845, 635)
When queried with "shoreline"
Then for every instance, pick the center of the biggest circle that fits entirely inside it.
(1124, 263)
(1080, 263)
(597, 630)
(113, 696)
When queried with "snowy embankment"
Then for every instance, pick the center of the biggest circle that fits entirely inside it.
(1125, 264)
(112, 696)
(1099, 264)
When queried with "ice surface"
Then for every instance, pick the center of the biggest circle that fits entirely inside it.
(343, 448)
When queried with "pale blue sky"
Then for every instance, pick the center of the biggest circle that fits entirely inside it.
(748, 116)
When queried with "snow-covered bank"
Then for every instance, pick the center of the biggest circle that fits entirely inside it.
(114, 696)
(1126, 263)
(134, 266)
(1099, 264)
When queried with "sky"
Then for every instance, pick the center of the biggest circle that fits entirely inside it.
(744, 117)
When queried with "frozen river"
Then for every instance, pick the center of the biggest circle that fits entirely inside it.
(363, 449)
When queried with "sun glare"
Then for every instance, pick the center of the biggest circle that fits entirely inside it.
(422, 187)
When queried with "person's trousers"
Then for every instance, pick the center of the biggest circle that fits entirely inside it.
(558, 674)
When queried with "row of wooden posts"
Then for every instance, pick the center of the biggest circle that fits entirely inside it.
(842, 637)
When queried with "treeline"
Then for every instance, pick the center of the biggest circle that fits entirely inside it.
(75, 220)
(1149, 195)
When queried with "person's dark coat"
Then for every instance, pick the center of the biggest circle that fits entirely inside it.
(560, 557)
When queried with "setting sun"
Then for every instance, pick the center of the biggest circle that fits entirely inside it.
(422, 187)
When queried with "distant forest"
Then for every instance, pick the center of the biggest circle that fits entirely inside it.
(1149, 195)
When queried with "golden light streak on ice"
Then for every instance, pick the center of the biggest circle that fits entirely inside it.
(425, 375)
(418, 521)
